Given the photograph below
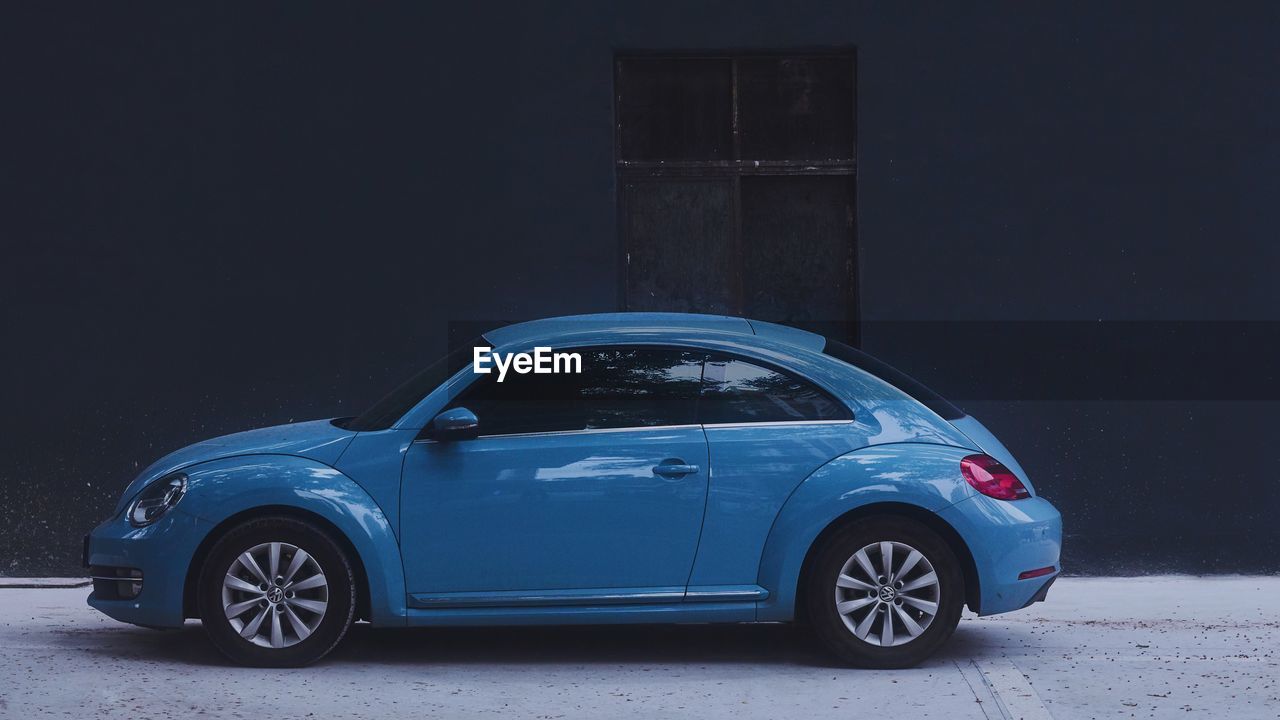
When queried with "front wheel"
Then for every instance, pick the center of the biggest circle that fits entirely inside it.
(884, 593)
(276, 592)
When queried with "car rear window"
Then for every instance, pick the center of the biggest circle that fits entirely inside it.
(736, 391)
(894, 377)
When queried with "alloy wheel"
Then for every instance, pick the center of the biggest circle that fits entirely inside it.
(275, 595)
(887, 593)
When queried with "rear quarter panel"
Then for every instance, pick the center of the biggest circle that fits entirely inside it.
(922, 475)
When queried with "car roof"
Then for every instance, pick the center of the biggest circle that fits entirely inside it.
(631, 322)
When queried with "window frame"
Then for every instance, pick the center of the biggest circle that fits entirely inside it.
(629, 172)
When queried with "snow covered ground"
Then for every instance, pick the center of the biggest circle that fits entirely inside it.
(1155, 647)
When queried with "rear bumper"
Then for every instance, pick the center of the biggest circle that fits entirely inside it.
(161, 551)
(1006, 539)
(1042, 594)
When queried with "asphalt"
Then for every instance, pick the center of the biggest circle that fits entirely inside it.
(1159, 647)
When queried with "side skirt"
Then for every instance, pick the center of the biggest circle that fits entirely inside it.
(736, 603)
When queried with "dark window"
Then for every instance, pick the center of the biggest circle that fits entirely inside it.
(803, 283)
(895, 377)
(796, 108)
(695, 275)
(622, 386)
(736, 186)
(736, 391)
(675, 110)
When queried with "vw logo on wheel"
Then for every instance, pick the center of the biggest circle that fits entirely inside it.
(887, 593)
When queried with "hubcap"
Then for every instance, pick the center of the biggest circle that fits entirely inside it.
(275, 595)
(887, 593)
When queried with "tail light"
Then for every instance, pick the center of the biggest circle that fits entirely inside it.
(992, 479)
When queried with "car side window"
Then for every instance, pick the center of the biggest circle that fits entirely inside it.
(619, 386)
(737, 391)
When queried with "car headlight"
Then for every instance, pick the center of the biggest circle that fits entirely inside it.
(156, 499)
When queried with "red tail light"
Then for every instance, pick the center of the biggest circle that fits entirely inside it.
(992, 479)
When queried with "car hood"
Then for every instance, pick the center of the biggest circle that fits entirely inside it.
(318, 440)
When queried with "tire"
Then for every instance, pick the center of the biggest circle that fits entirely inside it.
(291, 624)
(846, 605)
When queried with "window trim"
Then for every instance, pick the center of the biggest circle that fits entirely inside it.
(640, 428)
(584, 431)
(768, 423)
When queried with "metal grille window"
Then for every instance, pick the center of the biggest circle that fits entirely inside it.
(736, 186)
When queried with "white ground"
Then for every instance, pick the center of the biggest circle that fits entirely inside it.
(1163, 647)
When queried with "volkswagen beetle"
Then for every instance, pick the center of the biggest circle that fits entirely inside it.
(687, 469)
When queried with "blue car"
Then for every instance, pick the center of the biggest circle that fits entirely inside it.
(624, 468)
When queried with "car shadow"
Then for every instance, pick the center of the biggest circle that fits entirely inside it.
(764, 644)
(612, 645)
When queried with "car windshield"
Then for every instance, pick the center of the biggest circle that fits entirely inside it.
(895, 377)
(391, 408)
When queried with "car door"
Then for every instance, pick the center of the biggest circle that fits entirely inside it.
(593, 482)
(768, 429)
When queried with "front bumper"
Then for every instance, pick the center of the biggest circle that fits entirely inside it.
(1006, 539)
(162, 552)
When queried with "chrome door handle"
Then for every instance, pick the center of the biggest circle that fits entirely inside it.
(674, 469)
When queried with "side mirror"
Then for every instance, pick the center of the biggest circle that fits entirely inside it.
(456, 424)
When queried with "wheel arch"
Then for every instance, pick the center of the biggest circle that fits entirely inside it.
(931, 520)
(228, 491)
(189, 604)
(916, 480)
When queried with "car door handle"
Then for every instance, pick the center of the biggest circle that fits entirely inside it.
(674, 468)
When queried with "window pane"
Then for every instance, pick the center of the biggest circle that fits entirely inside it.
(809, 289)
(679, 244)
(736, 391)
(640, 387)
(633, 386)
(675, 109)
(525, 403)
(796, 108)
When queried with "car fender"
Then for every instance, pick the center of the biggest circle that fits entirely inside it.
(223, 488)
(924, 476)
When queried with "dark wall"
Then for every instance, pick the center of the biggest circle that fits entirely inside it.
(221, 217)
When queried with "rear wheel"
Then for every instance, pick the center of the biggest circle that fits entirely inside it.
(276, 592)
(884, 592)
